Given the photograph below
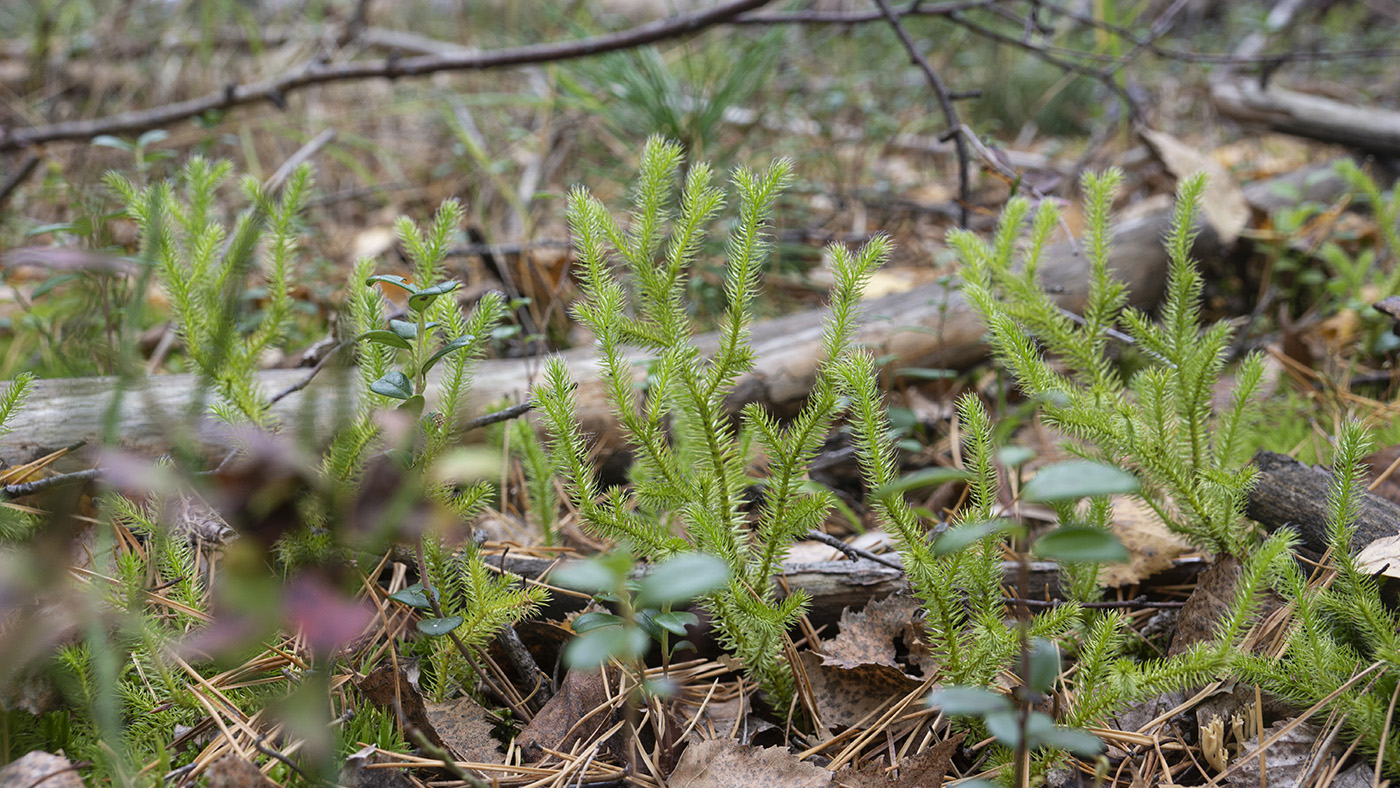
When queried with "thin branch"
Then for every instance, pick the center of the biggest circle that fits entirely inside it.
(304, 382)
(514, 411)
(851, 551)
(275, 90)
(25, 169)
(11, 491)
(945, 103)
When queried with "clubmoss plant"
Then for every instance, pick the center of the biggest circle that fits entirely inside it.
(692, 458)
(1158, 423)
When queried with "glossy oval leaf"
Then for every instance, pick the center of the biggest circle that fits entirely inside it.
(595, 620)
(683, 577)
(591, 576)
(961, 537)
(969, 701)
(395, 384)
(590, 650)
(414, 405)
(1081, 544)
(1015, 456)
(1044, 663)
(382, 337)
(445, 350)
(404, 328)
(413, 596)
(392, 279)
(1077, 742)
(436, 627)
(676, 622)
(1075, 479)
(424, 298)
(920, 479)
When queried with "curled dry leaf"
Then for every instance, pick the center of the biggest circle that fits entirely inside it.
(1223, 205)
(1381, 557)
(1149, 542)
(725, 763)
(868, 637)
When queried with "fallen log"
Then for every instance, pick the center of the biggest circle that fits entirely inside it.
(1291, 494)
(1367, 129)
(929, 326)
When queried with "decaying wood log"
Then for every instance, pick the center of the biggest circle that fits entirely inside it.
(1291, 494)
(833, 585)
(929, 326)
(1368, 129)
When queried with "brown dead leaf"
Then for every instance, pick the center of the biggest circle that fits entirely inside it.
(234, 771)
(925, 770)
(846, 695)
(574, 714)
(1378, 464)
(1223, 205)
(1148, 540)
(1381, 557)
(1207, 605)
(1285, 761)
(465, 727)
(379, 688)
(355, 775)
(868, 637)
(53, 770)
(725, 763)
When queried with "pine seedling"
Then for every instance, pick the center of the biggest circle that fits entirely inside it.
(692, 460)
(1159, 423)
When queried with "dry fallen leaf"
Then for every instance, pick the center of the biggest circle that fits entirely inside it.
(465, 727)
(925, 770)
(1381, 557)
(234, 771)
(1285, 761)
(725, 763)
(868, 637)
(1148, 540)
(557, 726)
(1207, 605)
(846, 695)
(1223, 205)
(355, 775)
(53, 770)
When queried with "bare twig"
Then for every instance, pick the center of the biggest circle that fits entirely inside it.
(304, 382)
(11, 491)
(945, 103)
(505, 414)
(851, 551)
(25, 169)
(303, 154)
(275, 90)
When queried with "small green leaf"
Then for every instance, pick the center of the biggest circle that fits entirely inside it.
(454, 345)
(1015, 456)
(395, 384)
(591, 576)
(595, 620)
(921, 373)
(413, 405)
(1081, 544)
(1077, 742)
(424, 298)
(962, 536)
(592, 649)
(152, 137)
(683, 577)
(918, 480)
(382, 337)
(413, 596)
(108, 141)
(436, 627)
(1065, 481)
(676, 622)
(392, 279)
(969, 701)
(1005, 725)
(404, 328)
(1044, 662)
